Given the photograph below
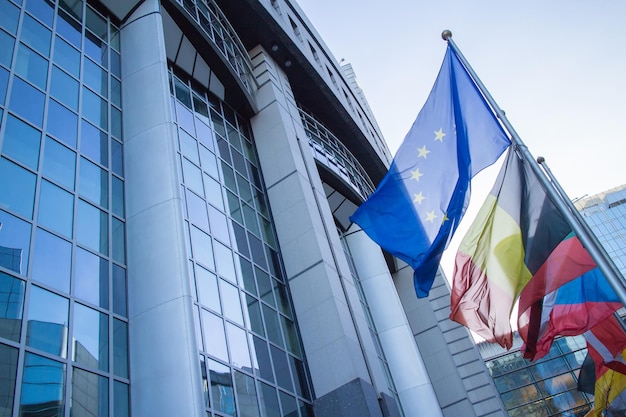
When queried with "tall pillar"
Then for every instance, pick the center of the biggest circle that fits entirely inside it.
(406, 366)
(164, 365)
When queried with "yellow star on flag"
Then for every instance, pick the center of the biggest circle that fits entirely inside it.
(415, 175)
(423, 152)
(445, 218)
(439, 135)
(431, 216)
(418, 198)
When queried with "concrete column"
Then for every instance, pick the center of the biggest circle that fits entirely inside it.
(164, 365)
(409, 374)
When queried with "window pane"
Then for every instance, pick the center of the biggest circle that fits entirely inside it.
(66, 57)
(120, 399)
(6, 52)
(219, 230)
(90, 394)
(9, 16)
(62, 123)
(59, 163)
(290, 407)
(31, 66)
(246, 394)
(11, 309)
(7, 388)
(238, 343)
(202, 247)
(92, 228)
(213, 192)
(91, 278)
(269, 405)
(43, 388)
(36, 35)
(208, 294)
(94, 183)
(95, 77)
(221, 388)
(96, 49)
(272, 325)
(209, 162)
(27, 101)
(21, 142)
(253, 312)
(230, 302)
(117, 196)
(116, 122)
(56, 208)
(214, 337)
(95, 109)
(261, 359)
(116, 92)
(117, 165)
(118, 236)
(193, 177)
(18, 194)
(47, 321)
(41, 9)
(52, 260)
(68, 27)
(65, 88)
(91, 338)
(196, 209)
(188, 147)
(14, 242)
(281, 367)
(120, 348)
(94, 143)
(119, 291)
(224, 260)
(96, 23)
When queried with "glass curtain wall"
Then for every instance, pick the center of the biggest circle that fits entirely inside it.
(250, 353)
(63, 312)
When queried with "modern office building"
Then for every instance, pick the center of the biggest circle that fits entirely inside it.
(176, 178)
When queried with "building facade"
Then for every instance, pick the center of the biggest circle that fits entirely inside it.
(176, 179)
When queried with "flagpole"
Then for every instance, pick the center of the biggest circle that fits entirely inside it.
(604, 263)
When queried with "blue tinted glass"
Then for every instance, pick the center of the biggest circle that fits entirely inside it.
(47, 321)
(116, 92)
(93, 399)
(116, 68)
(43, 388)
(14, 243)
(120, 348)
(9, 16)
(94, 183)
(196, 207)
(120, 399)
(52, 260)
(7, 42)
(92, 228)
(27, 101)
(17, 195)
(69, 28)
(62, 123)
(36, 35)
(31, 66)
(66, 57)
(59, 163)
(96, 23)
(4, 79)
(21, 142)
(95, 77)
(95, 109)
(65, 88)
(117, 196)
(42, 10)
(11, 306)
(91, 278)
(56, 208)
(91, 337)
(117, 162)
(96, 49)
(116, 122)
(118, 236)
(94, 143)
(119, 290)
(202, 247)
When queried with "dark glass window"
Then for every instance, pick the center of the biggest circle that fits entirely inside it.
(14, 241)
(31, 66)
(246, 393)
(66, 57)
(59, 163)
(62, 123)
(91, 338)
(96, 49)
(281, 368)
(223, 397)
(269, 405)
(90, 394)
(116, 92)
(36, 35)
(64, 88)
(116, 65)
(92, 228)
(6, 52)
(11, 309)
(96, 23)
(117, 196)
(119, 291)
(94, 143)
(254, 315)
(120, 348)
(118, 237)
(120, 397)
(27, 101)
(56, 208)
(117, 165)
(52, 260)
(91, 278)
(17, 195)
(290, 407)
(42, 10)
(95, 109)
(21, 142)
(9, 373)
(116, 122)
(47, 321)
(43, 387)
(272, 324)
(9, 16)
(68, 27)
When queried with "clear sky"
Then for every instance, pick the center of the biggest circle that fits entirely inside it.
(556, 67)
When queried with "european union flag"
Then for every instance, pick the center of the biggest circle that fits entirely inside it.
(419, 203)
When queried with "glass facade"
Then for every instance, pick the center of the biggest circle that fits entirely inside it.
(546, 387)
(250, 353)
(63, 315)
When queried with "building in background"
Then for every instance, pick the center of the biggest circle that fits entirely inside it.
(176, 178)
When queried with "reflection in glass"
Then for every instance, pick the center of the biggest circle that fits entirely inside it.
(269, 401)
(214, 337)
(94, 144)
(27, 101)
(261, 359)
(91, 278)
(299, 375)
(94, 183)
(206, 283)
(224, 261)
(120, 399)
(64, 88)
(4, 78)
(14, 241)
(117, 165)
(17, 195)
(43, 387)
(90, 394)
(36, 35)
(62, 123)
(21, 142)
(120, 348)
(95, 109)
(56, 208)
(6, 53)
(52, 260)
(47, 321)
(66, 57)
(202, 247)
(92, 228)
(11, 309)
(246, 395)
(196, 208)
(96, 49)
(95, 77)
(281, 368)
(118, 237)
(68, 27)
(117, 196)
(254, 315)
(59, 163)
(290, 407)
(193, 177)
(7, 389)
(238, 343)
(119, 291)
(222, 394)
(9, 16)
(31, 66)
(91, 338)
(230, 302)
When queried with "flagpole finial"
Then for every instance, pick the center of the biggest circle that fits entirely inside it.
(541, 160)
(446, 34)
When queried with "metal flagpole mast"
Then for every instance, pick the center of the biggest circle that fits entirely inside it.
(590, 243)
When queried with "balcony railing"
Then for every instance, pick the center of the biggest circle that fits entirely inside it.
(215, 25)
(328, 150)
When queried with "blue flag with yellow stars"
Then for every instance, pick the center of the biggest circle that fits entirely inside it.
(419, 203)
